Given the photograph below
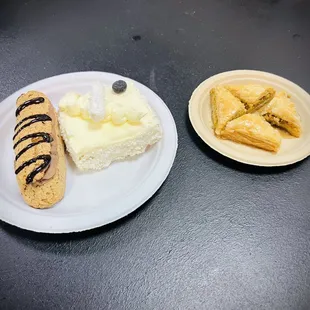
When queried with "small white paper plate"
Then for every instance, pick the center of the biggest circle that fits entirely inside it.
(91, 199)
(292, 150)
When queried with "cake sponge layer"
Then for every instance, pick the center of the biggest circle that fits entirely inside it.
(101, 156)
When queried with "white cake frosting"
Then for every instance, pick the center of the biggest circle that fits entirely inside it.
(96, 106)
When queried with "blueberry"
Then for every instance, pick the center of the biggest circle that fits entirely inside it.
(119, 86)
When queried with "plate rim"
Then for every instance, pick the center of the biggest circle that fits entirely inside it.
(192, 109)
(173, 143)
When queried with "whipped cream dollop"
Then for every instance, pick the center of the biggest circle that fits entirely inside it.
(96, 105)
(102, 104)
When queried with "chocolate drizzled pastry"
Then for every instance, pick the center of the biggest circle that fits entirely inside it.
(39, 152)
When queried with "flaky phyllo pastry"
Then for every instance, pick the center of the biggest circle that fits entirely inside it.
(281, 112)
(225, 107)
(253, 130)
(253, 96)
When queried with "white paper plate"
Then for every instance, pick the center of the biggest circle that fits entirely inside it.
(292, 150)
(92, 199)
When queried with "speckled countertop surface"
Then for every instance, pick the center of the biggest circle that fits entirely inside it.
(217, 235)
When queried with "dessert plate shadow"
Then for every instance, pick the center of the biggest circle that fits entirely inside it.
(91, 199)
(291, 151)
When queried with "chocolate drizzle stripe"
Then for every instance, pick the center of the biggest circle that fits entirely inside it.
(45, 137)
(27, 103)
(46, 162)
(34, 119)
(28, 147)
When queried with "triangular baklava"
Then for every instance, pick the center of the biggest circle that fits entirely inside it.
(225, 107)
(253, 96)
(253, 130)
(281, 112)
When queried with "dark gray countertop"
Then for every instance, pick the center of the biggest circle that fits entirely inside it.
(217, 235)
